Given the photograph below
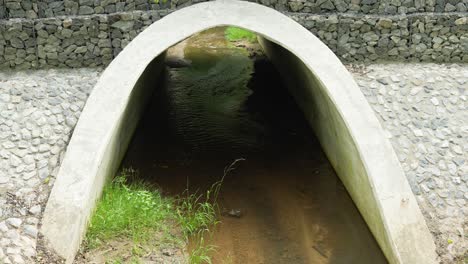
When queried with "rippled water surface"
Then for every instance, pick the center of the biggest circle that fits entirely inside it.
(226, 105)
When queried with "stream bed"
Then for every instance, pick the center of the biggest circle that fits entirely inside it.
(284, 202)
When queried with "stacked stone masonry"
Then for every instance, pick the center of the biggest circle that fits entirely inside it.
(52, 8)
(77, 33)
(73, 42)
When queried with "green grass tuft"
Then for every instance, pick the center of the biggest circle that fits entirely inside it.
(130, 209)
(236, 34)
(127, 210)
(196, 212)
(201, 252)
(134, 210)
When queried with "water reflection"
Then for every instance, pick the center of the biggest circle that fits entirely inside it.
(226, 105)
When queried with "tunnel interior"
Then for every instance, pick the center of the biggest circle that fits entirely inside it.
(215, 102)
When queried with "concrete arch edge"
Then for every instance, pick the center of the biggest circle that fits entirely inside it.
(346, 126)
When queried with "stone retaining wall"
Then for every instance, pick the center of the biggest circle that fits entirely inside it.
(73, 42)
(52, 8)
(17, 44)
(54, 33)
(439, 37)
(385, 7)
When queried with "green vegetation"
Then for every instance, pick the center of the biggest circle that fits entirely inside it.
(201, 251)
(130, 209)
(237, 34)
(127, 209)
(196, 212)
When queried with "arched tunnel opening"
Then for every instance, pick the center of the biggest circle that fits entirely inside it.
(217, 101)
(276, 162)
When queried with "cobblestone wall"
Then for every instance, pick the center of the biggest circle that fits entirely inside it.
(73, 42)
(387, 7)
(439, 37)
(2, 10)
(76, 33)
(17, 44)
(52, 8)
(21, 8)
(125, 27)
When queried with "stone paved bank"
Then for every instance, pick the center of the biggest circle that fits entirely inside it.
(38, 111)
(422, 106)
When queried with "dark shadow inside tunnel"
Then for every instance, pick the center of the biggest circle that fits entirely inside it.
(226, 104)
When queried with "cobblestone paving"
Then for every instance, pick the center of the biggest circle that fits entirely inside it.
(423, 108)
(38, 111)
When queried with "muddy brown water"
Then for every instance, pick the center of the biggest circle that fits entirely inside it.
(224, 106)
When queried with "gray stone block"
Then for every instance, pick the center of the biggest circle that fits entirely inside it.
(353, 36)
(85, 10)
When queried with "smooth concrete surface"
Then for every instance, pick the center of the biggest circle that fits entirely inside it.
(344, 122)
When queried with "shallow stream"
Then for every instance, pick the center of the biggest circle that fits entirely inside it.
(290, 207)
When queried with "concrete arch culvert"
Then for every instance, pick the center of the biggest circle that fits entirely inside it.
(348, 130)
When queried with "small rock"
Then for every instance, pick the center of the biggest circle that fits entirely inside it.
(234, 213)
(35, 209)
(44, 173)
(8, 145)
(457, 149)
(443, 193)
(450, 8)
(86, 10)
(81, 49)
(167, 252)
(30, 231)
(14, 222)
(67, 22)
(385, 23)
(418, 132)
(3, 227)
(295, 6)
(13, 250)
(4, 179)
(416, 90)
(461, 21)
(17, 259)
(124, 26)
